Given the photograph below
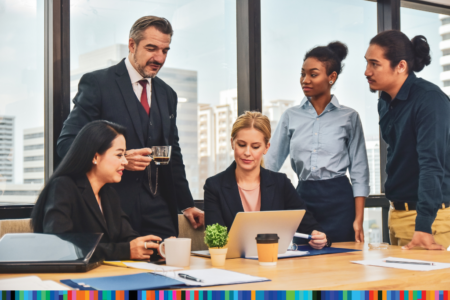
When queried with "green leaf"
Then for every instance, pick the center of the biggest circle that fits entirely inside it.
(216, 236)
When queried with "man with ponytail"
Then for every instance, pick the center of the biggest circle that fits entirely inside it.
(415, 123)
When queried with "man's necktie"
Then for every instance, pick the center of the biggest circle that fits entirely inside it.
(144, 99)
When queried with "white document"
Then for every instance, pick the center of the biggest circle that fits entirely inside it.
(284, 255)
(213, 276)
(150, 266)
(31, 283)
(381, 263)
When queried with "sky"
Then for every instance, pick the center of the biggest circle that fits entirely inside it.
(204, 41)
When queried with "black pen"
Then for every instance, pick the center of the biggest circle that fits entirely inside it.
(189, 277)
(409, 262)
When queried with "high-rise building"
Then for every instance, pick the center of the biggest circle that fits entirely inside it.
(206, 146)
(373, 157)
(274, 111)
(444, 31)
(184, 82)
(33, 155)
(214, 131)
(7, 149)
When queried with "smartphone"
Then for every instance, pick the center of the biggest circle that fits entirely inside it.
(160, 261)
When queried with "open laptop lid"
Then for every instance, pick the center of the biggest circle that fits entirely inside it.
(48, 249)
(247, 225)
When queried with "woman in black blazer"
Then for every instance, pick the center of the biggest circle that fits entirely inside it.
(78, 197)
(247, 186)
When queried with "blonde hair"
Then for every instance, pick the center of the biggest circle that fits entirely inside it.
(253, 119)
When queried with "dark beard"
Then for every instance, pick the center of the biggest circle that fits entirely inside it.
(372, 91)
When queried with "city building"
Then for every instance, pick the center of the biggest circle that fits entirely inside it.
(6, 149)
(274, 111)
(206, 145)
(373, 157)
(184, 83)
(444, 31)
(33, 156)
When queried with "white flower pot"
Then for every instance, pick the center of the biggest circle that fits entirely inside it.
(218, 256)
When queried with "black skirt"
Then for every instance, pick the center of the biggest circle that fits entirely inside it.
(333, 206)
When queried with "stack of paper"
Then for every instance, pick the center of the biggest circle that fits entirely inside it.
(140, 265)
(285, 255)
(150, 266)
(213, 276)
(405, 266)
(30, 283)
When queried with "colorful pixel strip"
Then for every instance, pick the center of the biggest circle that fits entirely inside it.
(224, 295)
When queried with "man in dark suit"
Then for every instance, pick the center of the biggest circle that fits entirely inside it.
(131, 95)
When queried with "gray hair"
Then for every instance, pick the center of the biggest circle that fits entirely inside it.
(162, 24)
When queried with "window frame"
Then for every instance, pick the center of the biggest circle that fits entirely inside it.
(249, 82)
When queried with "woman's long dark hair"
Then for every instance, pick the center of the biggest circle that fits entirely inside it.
(95, 137)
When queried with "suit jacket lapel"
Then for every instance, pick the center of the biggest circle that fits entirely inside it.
(128, 95)
(163, 103)
(91, 201)
(231, 191)
(267, 190)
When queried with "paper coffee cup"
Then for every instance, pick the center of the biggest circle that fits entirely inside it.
(267, 245)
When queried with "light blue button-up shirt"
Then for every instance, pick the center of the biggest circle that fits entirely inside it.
(321, 146)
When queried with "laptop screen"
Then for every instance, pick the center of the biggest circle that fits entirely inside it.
(36, 247)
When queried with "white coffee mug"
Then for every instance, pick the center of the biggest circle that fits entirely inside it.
(177, 252)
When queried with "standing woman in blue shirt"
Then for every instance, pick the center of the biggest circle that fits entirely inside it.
(325, 139)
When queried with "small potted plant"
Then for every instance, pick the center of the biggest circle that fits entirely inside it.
(216, 238)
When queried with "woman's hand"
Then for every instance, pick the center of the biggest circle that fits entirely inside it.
(137, 247)
(319, 240)
(359, 231)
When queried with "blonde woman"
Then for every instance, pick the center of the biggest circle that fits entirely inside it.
(247, 186)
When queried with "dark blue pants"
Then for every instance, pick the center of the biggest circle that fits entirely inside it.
(333, 206)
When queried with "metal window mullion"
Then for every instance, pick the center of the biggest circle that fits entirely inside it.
(48, 89)
(248, 35)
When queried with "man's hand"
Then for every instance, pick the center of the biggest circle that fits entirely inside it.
(195, 216)
(138, 159)
(137, 247)
(319, 240)
(359, 231)
(424, 240)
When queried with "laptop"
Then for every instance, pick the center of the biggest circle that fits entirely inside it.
(48, 253)
(246, 225)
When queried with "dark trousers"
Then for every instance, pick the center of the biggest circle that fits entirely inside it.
(333, 206)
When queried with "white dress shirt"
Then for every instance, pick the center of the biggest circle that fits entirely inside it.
(137, 87)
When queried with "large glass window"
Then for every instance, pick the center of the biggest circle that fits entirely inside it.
(436, 28)
(292, 27)
(200, 67)
(21, 101)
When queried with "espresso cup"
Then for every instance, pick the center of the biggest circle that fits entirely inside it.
(267, 245)
(161, 154)
(177, 252)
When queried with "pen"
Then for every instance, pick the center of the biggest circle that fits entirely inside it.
(303, 236)
(188, 277)
(409, 262)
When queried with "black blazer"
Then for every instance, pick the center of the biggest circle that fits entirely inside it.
(71, 207)
(108, 94)
(223, 202)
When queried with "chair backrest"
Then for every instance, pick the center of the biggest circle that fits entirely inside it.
(15, 226)
(196, 235)
(185, 228)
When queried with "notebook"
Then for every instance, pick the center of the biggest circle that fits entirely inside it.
(153, 281)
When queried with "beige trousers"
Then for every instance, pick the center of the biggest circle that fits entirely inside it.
(402, 226)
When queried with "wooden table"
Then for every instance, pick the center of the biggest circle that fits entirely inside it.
(322, 272)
